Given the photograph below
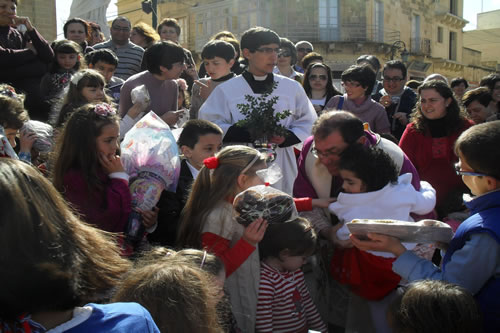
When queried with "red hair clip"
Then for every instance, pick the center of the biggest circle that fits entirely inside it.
(211, 162)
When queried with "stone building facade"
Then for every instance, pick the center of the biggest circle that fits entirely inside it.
(42, 14)
(341, 30)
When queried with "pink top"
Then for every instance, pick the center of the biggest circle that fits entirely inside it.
(369, 112)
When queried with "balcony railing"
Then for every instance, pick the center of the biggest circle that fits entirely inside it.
(420, 46)
(341, 33)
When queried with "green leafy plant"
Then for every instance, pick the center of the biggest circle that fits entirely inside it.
(260, 119)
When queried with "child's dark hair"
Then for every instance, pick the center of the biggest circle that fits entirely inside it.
(164, 54)
(297, 237)
(67, 47)
(193, 129)
(105, 55)
(370, 164)
(479, 146)
(363, 74)
(433, 306)
(77, 146)
(12, 112)
(254, 38)
(218, 48)
(74, 97)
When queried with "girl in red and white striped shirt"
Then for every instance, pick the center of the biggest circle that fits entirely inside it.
(284, 303)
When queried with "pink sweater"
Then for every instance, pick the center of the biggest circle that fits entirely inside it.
(108, 209)
(369, 112)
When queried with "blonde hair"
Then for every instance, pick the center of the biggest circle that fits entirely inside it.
(146, 31)
(213, 186)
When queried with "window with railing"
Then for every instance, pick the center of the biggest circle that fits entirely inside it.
(329, 20)
(183, 38)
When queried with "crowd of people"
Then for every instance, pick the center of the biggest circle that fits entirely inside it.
(252, 113)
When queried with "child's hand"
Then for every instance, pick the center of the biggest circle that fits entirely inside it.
(149, 217)
(254, 232)
(136, 109)
(205, 89)
(172, 117)
(111, 164)
(323, 203)
(378, 242)
(26, 141)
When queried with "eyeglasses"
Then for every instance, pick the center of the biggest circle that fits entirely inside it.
(328, 153)
(285, 53)
(321, 77)
(350, 84)
(269, 50)
(393, 79)
(120, 29)
(467, 173)
(303, 49)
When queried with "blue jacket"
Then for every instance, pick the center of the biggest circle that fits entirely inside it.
(485, 218)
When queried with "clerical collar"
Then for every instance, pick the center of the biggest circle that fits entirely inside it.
(225, 78)
(259, 84)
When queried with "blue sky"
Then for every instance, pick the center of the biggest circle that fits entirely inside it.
(471, 9)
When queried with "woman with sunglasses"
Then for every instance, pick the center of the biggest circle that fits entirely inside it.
(428, 141)
(318, 85)
(287, 57)
(358, 82)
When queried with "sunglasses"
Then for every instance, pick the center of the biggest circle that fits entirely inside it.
(321, 77)
(303, 49)
(284, 54)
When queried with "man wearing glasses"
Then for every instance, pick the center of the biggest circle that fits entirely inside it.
(261, 46)
(397, 99)
(129, 55)
(319, 160)
(303, 48)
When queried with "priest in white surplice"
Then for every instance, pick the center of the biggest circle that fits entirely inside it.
(260, 47)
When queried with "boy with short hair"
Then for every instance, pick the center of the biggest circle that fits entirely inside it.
(105, 62)
(218, 58)
(472, 259)
(199, 139)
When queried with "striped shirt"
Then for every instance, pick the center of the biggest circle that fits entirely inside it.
(129, 58)
(284, 303)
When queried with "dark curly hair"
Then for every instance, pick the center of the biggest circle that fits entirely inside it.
(370, 164)
(454, 118)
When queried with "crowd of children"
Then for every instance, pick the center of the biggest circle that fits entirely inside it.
(67, 266)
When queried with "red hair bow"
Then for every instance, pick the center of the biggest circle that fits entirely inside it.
(211, 162)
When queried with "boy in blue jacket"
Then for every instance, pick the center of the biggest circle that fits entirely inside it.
(472, 259)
